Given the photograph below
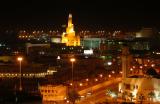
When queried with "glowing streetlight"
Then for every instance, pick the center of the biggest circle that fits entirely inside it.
(153, 65)
(80, 84)
(131, 69)
(67, 101)
(72, 61)
(70, 84)
(113, 72)
(58, 59)
(141, 67)
(120, 72)
(96, 79)
(87, 79)
(101, 75)
(20, 81)
(109, 63)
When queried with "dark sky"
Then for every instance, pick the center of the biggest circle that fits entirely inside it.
(85, 12)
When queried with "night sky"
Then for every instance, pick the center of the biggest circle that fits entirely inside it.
(85, 12)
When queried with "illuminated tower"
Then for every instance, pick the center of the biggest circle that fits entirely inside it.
(69, 36)
(70, 27)
(126, 62)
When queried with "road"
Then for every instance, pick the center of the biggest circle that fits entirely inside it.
(99, 95)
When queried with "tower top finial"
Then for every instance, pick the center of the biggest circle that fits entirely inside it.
(70, 20)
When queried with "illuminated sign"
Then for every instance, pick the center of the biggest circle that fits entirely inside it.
(88, 52)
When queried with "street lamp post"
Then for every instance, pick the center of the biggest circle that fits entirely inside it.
(20, 71)
(72, 60)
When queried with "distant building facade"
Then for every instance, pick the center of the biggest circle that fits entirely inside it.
(91, 42)
(51, 93)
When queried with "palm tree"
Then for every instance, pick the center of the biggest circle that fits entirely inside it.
(124, 94)
(131, 96)
(151, 95)
(73, 96)
(141, 97)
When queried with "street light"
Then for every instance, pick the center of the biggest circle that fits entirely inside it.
(109, 63)
(20, 83)
(58, 58)
(72, 60)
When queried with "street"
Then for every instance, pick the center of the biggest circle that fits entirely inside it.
(99, 93)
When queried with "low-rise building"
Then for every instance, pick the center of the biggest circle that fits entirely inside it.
(52, 93)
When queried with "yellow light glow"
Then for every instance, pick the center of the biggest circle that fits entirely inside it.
(69, 37)
(58, 57)
(152, 65)
(72, 59)
(141, 67)
(113, 72)
(120, 72)
(67, 101)
(19, 58)
(80, 84)
(131, 69)
(101, 75)
(87, 79)
(96, 79)
(71, 84)
(134, 93)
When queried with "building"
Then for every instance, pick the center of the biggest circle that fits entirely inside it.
(69, 36)
(32, 47)
(51, 93)
(145, 33)
(56, 39)
(138, 87)
(141, 87)
(126, 61)
(91, 42)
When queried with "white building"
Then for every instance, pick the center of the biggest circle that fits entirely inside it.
(143, 87)
(136, 88)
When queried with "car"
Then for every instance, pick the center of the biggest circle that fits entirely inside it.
(89, 93)
(82, 97)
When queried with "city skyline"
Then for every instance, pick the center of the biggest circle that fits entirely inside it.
(107, 53)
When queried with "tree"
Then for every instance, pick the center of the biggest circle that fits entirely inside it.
(131, 96)
(124, 94)
(141, 98)
(151, 95)
(73, 96)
